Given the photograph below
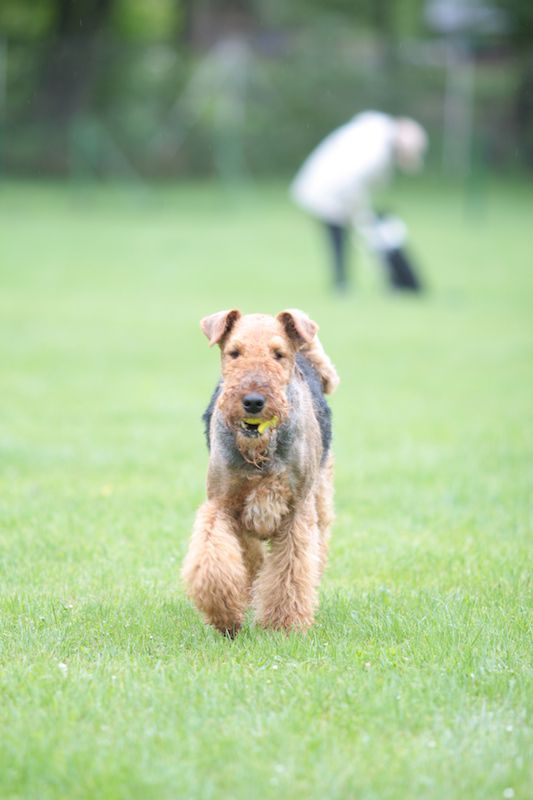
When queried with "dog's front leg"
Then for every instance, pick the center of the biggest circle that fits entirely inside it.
(285, 592)
(214, 572)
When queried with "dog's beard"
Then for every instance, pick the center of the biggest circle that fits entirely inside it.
(256, 449)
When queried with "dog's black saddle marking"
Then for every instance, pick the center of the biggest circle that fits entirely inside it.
(322, 409)
(208, 413)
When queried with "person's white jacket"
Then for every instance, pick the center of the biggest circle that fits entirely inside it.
(335, 181)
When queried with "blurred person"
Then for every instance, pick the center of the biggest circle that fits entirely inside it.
(336, 181)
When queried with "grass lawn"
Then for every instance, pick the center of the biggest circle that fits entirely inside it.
(416, 679)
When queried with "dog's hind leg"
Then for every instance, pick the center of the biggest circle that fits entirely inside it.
(214, 571)
(253, 552)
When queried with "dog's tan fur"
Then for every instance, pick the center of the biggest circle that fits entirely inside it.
(261, 537)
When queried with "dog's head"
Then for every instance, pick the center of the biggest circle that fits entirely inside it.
(258, 355)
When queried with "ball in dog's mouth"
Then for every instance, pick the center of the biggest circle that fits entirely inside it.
(254, 426)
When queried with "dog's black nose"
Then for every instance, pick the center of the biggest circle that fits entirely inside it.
(253, 403)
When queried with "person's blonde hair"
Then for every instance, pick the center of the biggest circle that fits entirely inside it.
(410, 143)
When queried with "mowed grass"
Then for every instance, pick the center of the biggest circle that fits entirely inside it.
(416, 679)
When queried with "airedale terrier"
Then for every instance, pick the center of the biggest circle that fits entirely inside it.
(261, 538)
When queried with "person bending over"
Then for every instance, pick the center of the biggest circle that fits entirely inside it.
(336, 181)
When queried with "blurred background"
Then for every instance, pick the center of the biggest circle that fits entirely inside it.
(146, 150)
(240, 88)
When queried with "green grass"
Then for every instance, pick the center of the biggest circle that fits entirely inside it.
(416, 679)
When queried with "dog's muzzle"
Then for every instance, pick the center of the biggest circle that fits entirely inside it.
(252, 426)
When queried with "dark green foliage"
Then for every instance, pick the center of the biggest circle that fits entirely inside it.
(109, 87)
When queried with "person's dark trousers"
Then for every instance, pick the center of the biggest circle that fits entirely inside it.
(337, 236)
(401, 270)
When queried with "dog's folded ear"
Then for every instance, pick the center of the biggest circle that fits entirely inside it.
(302, 332)
(217, 326)
(298, 326)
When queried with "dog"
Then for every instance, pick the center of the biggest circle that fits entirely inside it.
(261, 537)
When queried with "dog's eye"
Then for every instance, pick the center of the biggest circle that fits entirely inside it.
(278, 355)
(234, 353)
